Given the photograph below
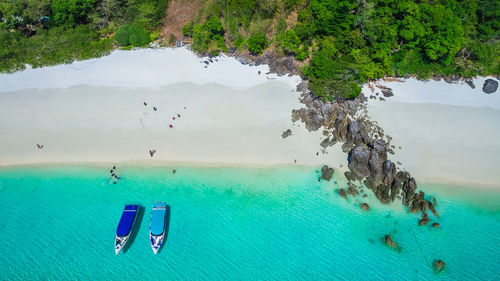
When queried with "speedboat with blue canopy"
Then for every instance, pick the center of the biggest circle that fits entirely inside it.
(158, 225)
(126, 226)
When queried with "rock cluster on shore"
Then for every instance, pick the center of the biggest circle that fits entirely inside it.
(367, 146)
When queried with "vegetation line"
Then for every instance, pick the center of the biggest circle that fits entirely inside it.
(339, 44)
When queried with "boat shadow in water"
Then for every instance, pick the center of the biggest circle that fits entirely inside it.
(167, 227)
(137, 226)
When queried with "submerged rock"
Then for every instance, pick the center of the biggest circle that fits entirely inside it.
(438, 265)
(387, 239)
(490, 86)
(327, 173)
(365, 206)
(286, 133)
(424, 220)
(342, 193)
(436, 225)
(431, 207)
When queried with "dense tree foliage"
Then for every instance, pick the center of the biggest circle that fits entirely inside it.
(342, 43)
(56, 31)
(208, 36)
(257, 43)
(130, 34)
(348, 42)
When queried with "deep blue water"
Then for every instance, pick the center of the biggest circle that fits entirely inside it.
(275, 223)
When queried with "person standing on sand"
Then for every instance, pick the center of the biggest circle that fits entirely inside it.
(152, 152)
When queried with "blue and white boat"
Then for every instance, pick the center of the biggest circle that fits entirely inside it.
(126, 226)
(158, 225)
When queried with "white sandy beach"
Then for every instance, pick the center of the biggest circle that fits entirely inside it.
(449, 133)
(93, 111)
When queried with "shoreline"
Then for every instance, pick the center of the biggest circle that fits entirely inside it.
(140, 163)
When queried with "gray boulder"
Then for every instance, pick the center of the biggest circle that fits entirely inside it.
(470, 83)
(490, 86)
(375, 165)
(387, 92)
(389, 172)
(286, 133)
(358, 159)
(327, 173)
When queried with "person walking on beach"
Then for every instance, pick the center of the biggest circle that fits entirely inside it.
(155, 108)
(40, 146)
(152, 152)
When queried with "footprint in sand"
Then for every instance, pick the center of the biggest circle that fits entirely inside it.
(142, 123)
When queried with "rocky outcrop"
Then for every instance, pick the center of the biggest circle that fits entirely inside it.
(327, 173)
(365, 206)
(490, 86)
(451, 79)
(277, 63)
(286, 133)
(438, 265)
(367, 147)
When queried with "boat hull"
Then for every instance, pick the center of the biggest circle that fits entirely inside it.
(156, 241)
(122, 240)
(158, 226)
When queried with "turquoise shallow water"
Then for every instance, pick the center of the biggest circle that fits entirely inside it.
(233, 224)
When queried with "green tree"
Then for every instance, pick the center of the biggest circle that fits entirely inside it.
(71, 12)
(257, 43)
(290, 42)
(134, 35)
